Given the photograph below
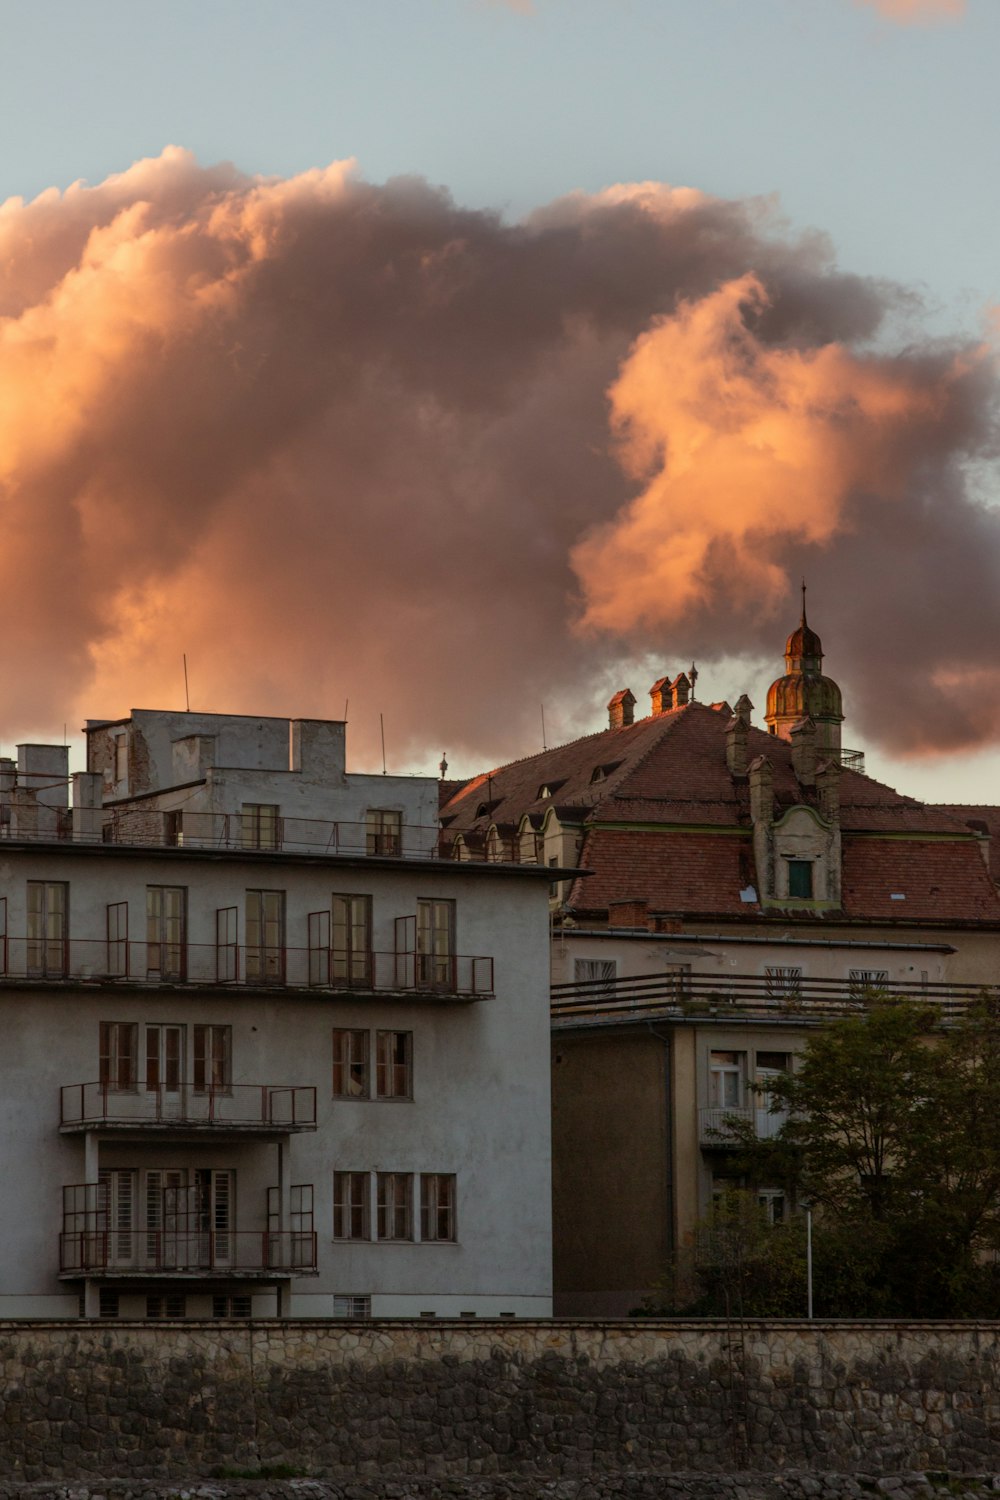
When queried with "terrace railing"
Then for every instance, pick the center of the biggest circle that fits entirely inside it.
(240, 1106)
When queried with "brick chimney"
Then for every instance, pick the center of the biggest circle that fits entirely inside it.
(621, 709)
(737, 736)
(828, 788)
(680, 690)
(761, 774)
(627, 913)
(803, 740)
(659, 695)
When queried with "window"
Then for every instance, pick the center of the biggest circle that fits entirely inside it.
(107, 1303)
(771, 1201)
(598, 974)
(864, 980)
(48, 928)
(768, 1121)
(165, 931)
(260, 827)
(164, 1058)
(213, 1068)
(800, 878)
(783, 981)
(436, 944)
(227, 952)
(437, 1206)
(395, 1206)
(119, 1046)
(265, 955)
(350, 955)
(117, 925)
(393, 1064)
(726, 1071)
(351, 1197)
(232, 1307)
(166, 1305)
(383, 831)
(351, 1306)
(350, 1064)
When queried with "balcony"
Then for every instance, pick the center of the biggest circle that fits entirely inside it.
(187, 1233)
(121, 962)
(712, 1124)
(725, 997)
(189, 1254)
(243, 1108)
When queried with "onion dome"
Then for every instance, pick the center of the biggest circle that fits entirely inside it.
(804, 692)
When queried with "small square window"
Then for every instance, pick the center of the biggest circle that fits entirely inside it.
(351, 1306)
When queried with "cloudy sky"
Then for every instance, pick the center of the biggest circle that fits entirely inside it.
(448, 358)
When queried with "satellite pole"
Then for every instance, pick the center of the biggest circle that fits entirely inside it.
(187, 695)
(382, 732)
(544, 745)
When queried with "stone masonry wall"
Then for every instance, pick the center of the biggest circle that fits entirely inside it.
(468, 1401)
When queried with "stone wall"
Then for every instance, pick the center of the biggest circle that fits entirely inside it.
(469, 1401)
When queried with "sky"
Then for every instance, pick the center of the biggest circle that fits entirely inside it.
(451, 358)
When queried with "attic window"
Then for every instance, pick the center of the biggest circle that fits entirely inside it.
(485, 808)
(549, 788)
(599, 773)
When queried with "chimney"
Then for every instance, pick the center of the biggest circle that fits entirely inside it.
(621, 709)
(803, 741)
(680, 690)
(828, 787)
(660, 696)
(737, 736)
(761, 774)
(627, 913)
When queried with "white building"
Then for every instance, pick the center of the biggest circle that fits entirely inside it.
(263, 1050)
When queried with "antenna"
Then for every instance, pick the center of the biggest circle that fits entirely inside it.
(544, 745)
(346, 702)
(382, 732)
(187, 695)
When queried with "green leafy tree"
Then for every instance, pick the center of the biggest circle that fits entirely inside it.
(893, 1134)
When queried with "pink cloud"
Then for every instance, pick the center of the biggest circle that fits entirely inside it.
(335, 439)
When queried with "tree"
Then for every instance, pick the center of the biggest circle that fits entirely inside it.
(893, 1134)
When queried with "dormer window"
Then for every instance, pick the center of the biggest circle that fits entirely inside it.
(800, 879)
(549, 788)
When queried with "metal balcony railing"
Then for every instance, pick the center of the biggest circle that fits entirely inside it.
(241, 1106)
(188, 1252)
(713, 1123)
(264, 966)
(711, 996)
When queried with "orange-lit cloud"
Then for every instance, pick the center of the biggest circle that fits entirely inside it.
(335, 440)
(908, 12)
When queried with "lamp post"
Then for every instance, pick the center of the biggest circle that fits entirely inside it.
(807, 1205)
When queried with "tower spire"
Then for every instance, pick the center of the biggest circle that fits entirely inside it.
(804, 621)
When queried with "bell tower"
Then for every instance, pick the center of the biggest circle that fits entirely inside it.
(804, 693)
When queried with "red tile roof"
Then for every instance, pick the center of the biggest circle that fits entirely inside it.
(669, 773)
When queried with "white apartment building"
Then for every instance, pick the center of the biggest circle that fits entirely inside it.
(264, 1051)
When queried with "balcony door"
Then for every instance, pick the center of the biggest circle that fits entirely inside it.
(198, 1220)
(435, 944)
(351, 940)
(265, 929)
(48, 931)
(165, 1069)
(116, 1210)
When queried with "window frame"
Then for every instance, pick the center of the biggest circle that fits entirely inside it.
(438, 1203)
(394, 1207)
(351, 1206)
(390, 1071)
(358, 1039)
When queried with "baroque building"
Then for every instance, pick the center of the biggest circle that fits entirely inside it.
(734, 888)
